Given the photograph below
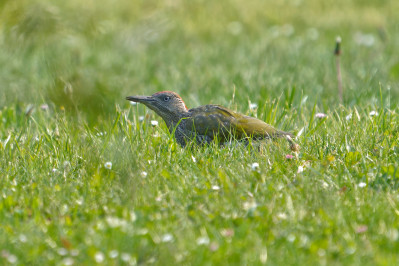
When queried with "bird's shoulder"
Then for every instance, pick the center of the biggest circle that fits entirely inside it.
(214, 116)
(213, 110)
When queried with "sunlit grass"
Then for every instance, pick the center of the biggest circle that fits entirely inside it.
(88, 178)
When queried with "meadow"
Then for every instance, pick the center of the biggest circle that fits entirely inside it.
(87, 178)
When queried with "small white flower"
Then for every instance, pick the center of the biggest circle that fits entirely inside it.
(282, 215)
(255, 166)
(108, 165)
(62, 251)
(99, 134)
(67, 164)
(133, 103)
(373, 113)
(23, 238)
(74, 252)
(167, 238)
(154, 123)
(144, 174)
(300, 169)
(125, 257)
(141, 118)
(54, 170)
(320, 115)
(291, 238)
(348, 117)
(362, 184)
(203, 240)
(99, 257)
(44, 107)
(67, 261)
(216, 188)
(113, 254)
(12, 258)
(133, 216)
(249, 205)
(253, 106)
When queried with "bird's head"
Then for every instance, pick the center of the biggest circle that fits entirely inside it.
(167, 104)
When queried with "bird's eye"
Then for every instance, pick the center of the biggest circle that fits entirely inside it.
(166, 98)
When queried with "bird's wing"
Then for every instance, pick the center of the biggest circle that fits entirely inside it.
(216, 120)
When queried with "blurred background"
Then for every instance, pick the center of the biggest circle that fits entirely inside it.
(86, 56)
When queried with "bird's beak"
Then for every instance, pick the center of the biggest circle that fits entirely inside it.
(140, 99)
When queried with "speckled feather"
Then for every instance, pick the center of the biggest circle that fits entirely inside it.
(206, 123)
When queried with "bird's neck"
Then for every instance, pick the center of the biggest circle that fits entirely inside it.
(172, 120)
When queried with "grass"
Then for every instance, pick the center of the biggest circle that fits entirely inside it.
(67, 67)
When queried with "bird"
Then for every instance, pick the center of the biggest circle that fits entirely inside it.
(208, 123)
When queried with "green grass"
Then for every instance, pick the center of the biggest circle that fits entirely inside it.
(161, 204)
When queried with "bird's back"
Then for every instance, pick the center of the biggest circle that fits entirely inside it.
(210, 121)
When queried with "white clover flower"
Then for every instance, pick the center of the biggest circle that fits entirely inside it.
(12, 258)
(74, 252)
(62, 251)
(216, 188)
(204, 240)
(66, 164)
(143, 174)
(348, 117)
(167, 238)
(154, 123)
(300, 169)
(99, 257)
(108, 165)
(373, 113)
(255, 166)
(141, 118)
(249, 205)
(125, 257)
(320, 115)
(23, 238)
(113, 254)
(362, 184)
(282, 215)
(253, 106)
(99, 134)
(291, 238)
(67, 261)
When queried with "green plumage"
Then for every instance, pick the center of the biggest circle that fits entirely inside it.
(206, 123)
(218, 121)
